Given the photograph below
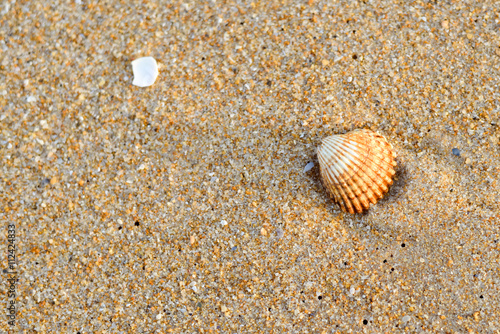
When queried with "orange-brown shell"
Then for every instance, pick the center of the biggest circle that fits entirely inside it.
(356, 168)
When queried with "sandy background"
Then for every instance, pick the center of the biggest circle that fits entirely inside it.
(184, 208)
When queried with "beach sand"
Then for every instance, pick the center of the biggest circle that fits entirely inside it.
(184, 207)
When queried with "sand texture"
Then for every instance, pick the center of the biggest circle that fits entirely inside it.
(184, 207)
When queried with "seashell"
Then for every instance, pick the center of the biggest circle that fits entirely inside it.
(356, 168)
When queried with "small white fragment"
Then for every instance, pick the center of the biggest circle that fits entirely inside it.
(145, 71)
(31, 99)
(406, 318)
(44, 124)
(337, 58)
(308, 167)
(6, 8)
(223, 222)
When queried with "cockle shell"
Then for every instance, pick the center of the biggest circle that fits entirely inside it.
(356, 168)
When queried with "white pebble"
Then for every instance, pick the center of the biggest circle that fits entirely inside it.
(308, 167)
(145, 71)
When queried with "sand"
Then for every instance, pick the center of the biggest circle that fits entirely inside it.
(184, 207)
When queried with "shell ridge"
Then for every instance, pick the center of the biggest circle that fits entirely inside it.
(357, 157)
(386, 166)
(339, 158)
(380, 180)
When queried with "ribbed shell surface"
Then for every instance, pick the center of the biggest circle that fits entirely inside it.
(356, 168)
